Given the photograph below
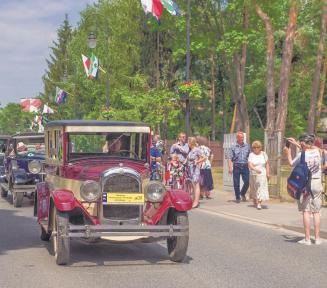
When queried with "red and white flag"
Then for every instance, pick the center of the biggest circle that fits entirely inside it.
(31, 104)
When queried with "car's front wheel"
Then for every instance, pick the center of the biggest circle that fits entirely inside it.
(17, 199)
(60, 238)
(177, 245)
(3, 192)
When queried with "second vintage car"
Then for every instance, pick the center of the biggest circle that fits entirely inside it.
(23, 162)
(97, 187)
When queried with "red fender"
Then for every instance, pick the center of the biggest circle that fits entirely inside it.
(181, 200)
(177, 199)
(64, 200)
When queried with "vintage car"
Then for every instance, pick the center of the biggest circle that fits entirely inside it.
(3, 144)
(23, 163)
(97, 188)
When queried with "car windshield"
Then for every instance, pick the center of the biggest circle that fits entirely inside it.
(125, 145)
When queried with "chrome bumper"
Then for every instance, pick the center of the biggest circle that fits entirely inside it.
(87, 231)
(24, 188)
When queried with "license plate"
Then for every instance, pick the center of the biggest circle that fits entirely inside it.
(122, 198)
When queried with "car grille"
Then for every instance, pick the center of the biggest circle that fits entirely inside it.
(122, 183)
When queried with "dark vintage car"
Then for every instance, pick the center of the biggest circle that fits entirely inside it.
(97, 188)
(23, 163)
(3, 144)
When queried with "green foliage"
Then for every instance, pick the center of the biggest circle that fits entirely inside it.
(146, 64)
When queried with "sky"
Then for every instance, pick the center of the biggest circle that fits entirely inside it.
(27, 29)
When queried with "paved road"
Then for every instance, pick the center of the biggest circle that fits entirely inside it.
(222, 253)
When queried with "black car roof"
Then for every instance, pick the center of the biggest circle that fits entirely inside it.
(94, 123)
(27, 134)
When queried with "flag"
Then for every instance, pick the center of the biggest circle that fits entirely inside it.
(47, 109)
(61, 96)
(91, 66)
(152, 6)
(171, 7)
(31, 104)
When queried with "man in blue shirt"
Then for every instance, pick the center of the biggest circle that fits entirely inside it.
(155, 156)
(180, 148)
(237, 161)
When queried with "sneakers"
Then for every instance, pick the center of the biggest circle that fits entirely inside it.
(305, 241)
(318, 241)
(243, 198)
(259, 206)
(238, 200)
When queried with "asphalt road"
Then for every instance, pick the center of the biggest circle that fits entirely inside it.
(222, 253)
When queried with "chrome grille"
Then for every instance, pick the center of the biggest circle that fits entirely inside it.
(122, 183)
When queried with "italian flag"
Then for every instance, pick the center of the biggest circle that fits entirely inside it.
(91, 66)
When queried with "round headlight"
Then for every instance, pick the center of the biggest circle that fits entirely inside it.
(90, 191)
(155, 191)
(34, 167)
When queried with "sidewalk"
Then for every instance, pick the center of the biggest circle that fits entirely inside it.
(273, 212)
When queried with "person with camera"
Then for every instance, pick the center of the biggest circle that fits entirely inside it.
(156, 158)
(311, 201)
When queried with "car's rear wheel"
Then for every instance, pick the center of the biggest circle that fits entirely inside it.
(3, 192)
(17, 199)
(177, 245)
(60, 238)
(189, 188)
(45, 236)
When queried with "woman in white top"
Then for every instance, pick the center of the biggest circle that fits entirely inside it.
(309, 204)
(259, 174)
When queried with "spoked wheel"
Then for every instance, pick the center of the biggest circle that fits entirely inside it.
(189, 188)
(17, 199)
(60, 238)
(177, 245)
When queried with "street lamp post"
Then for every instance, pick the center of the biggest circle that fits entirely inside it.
(188, 63)
(92, 42)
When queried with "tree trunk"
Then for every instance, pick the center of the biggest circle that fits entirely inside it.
(316, 77)
(213, 96)
(322, 89)
(285, 68)
(242, 120)
(271, 115)
(158, 61)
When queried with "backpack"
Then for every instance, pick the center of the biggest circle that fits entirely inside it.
(300, 179)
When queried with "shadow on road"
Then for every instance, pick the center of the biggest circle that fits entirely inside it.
(17, 232)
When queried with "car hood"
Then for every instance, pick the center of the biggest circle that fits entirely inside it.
(93, 169)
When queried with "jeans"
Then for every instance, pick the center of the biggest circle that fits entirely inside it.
(239, 170)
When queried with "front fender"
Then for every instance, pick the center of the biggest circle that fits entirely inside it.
(64, 200)
(181, 200)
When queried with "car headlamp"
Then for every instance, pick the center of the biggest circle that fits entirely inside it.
(90, 191)
(34, 167)
(155, 191)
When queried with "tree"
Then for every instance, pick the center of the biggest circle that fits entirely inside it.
(316, 77)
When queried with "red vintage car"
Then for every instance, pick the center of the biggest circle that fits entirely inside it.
(97, 187)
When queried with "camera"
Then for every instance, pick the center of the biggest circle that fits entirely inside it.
(287, 143)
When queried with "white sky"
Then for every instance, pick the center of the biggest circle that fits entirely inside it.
(28, 28)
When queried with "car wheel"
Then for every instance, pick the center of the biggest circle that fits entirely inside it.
(189, 188)
(3, 192)
(177, 245)
(60, 238)
(45, 236)
(17, 199)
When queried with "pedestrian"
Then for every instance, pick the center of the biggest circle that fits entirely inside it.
(194, 159)
(156, 158)
(237, 161)
(309, 203)
(206, 181)
(259, 174)
(181, 148)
